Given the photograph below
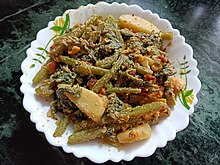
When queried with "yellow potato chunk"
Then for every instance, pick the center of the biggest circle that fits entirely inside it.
(89, 103)
(137, 24)
(137, 133)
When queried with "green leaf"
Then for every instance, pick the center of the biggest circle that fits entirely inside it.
(32, 65)
(66, 24)
(184, 63)
(185, 67)
(184, 73)
(40, 55)
(184, 102)
(56, 28)
(189, 92)
(35, 59)
(42, 49)
(184, 57)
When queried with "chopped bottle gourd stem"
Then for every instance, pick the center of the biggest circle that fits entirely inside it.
(142, 70)
(61, 128)
(138, 110)
(86, 135)
(41, 74)
(104, 80)
(123, 90)
(82, 67)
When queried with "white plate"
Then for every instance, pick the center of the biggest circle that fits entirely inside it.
(95, 151)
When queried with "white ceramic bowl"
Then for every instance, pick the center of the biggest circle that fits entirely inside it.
(97, 152)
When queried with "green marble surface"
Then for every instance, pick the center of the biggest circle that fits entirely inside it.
(21, 143)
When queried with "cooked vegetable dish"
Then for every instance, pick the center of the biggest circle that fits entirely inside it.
(110, 78)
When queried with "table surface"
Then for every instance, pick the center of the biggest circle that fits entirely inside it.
(198, 21)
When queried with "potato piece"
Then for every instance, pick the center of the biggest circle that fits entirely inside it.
(89, 103)
(137, 24)
(137, 133)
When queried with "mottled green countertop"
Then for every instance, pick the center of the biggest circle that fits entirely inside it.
(198, 21)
